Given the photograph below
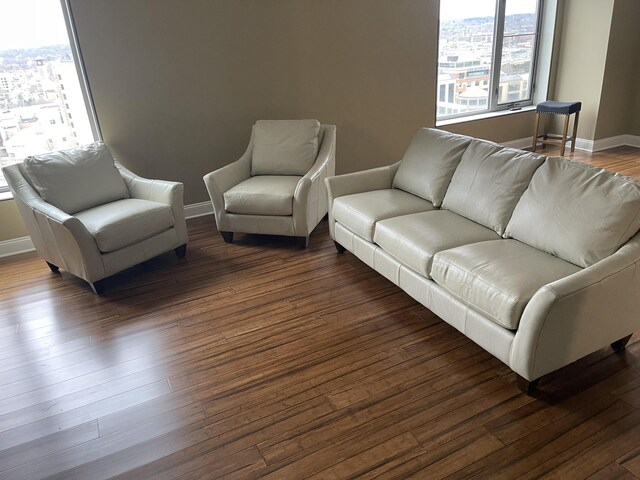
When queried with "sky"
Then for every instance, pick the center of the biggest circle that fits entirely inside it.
(31, 23)
(455, 9)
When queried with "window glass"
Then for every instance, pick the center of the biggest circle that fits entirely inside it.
(487, 48)
(39, 85)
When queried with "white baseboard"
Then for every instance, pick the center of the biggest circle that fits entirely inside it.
(584, 144)
(612, 142)
(198, 209)
(16, 246)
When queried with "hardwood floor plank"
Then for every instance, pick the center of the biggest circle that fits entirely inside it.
(49, 445)
(48, 425)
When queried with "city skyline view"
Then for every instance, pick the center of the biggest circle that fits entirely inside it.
(42, 107)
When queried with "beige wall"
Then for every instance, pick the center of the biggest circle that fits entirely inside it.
(619, 107)
(177, 85)
(582, 57)
(498, 129)
(12, 224)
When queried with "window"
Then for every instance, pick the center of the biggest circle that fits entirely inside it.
(495, 44)
(38, 62)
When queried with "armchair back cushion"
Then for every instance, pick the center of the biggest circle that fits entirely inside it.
(429, 163)
(284, 147)
(489, 182)
(76, 179)
(576, 212)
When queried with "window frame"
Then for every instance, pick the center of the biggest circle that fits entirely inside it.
(5, 192)
(493, 99)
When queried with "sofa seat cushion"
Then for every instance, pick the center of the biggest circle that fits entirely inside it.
(360, 212)
(77, 179)
(497, 278)
(488, 183)
(577, 212)
(284, 147)
(415, 239)
(262, 195)
(122, 223)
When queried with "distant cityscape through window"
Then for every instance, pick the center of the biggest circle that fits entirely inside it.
(39, 87)
(487, 55)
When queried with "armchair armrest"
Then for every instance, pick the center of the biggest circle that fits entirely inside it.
(579, 314)
(162, 191)
(309, 198)
(221, 180)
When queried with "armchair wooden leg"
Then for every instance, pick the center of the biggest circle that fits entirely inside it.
(227, 236)
(181, 251)
(526, 386)
(97, 287)
(619, 345)
(303, 242)
(54, 268)
(339, 247)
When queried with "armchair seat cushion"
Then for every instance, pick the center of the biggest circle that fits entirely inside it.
(497, 278)
(415, 239)
(361, 211)
(122, 223)
(262, 195)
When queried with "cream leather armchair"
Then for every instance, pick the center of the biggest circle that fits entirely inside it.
(277, 187)
(91, 216)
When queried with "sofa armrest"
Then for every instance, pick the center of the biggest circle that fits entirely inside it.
(579, 314)
(358, 182)
(379, 178)
(309, 198)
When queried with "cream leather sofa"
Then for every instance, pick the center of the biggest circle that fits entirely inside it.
(277, 186)
(91, 216)
(535, 259)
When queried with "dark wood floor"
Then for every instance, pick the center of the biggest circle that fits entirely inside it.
(259, 359)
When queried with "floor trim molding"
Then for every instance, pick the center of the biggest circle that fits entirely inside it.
(198, 209)
(15, 246)
(19, 245)
(586, 145)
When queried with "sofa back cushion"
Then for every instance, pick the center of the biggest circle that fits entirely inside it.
(577, 212)
(429, 163)
(488, 183)
(76, 179)
(284, 147)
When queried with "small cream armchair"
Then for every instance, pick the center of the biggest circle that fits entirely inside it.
(277, 187)
(92, 217)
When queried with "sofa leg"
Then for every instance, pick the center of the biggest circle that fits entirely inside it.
(54, 268)
(339, 247)
(525, 386)
(303, 242)
(97, 287)
(181, 251)
(227, 236)
(619, 345)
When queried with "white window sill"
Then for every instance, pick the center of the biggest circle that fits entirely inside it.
(483, 116)
(5, 196)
